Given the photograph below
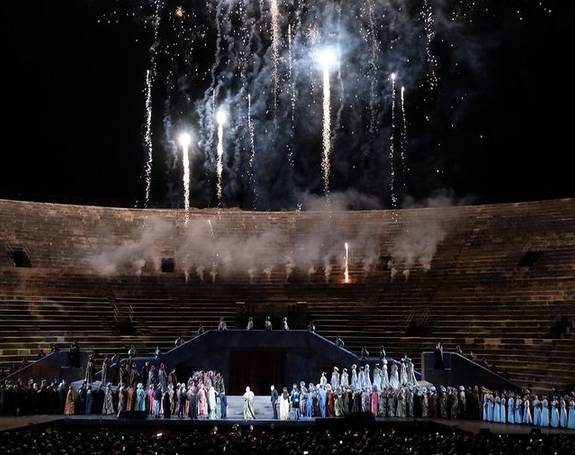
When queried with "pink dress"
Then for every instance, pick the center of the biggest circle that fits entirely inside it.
(374, 405)
(202, 402)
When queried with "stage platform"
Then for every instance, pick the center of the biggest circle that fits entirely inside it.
(264, 419)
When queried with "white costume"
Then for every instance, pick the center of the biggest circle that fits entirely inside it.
(249, 412)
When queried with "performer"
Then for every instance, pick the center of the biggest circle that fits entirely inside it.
(339, 342)
(367, 376)
(518, 413)
(323, 379)
(322, 400)
(335, 378)
(223, 404)
(157, 352)
(562, 413)
(384, 375)
(157, 401)
(309, 401)
(571, 415)
(268, 324)
(212, 403)
(511, 409)
(354, 380)
(403, 372)
(311, 327)
(394, 378)
(439, 364)
(527, 418)
(250, 325)
(364, 353)
(89, 376)
(121, 399)
(249, 412)
(70, 401)
(202, 401)
(105, 365)
(361, 378)
(374, 405)
(274, 399)
(284, 404)
(108, 407)
(377, 377)
(285, 325)
(140, 398)
(344, 379)
(536, 411)
(544, 412)
(167, 404)
(411, 379)
(222, 326)
(89, 400)
(295, 398)
(554, 413)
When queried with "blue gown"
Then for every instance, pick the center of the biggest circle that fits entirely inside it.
(544, 413)
(571, 416)
(490, 406)
(309, 405)
(496, 410)
(485, 401)
(518, 416)
(140, 400)
(322, 401)
(554, 415)
(502, 409)
(536, 412)
(511, 410)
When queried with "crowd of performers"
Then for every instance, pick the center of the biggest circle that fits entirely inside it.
(399, 395)
(556, 411)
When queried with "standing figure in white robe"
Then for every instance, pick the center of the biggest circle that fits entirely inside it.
(249, 411)
(377, 377)
(335, 378)
(368, 385)
(411, 379)
(344, 378)
(403, 372)
(354, 376)
(284, 404)
(384, 376)
(212, 403)
(361, 379)
(394, 378)
(323, 380)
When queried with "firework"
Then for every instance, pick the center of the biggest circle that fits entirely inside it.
(346, 279)
(393, 77)
(403, 137)
(185, 140)
(274, 11)
(221, 118)
(327, 59)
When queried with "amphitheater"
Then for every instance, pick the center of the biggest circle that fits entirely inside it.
(499, 279)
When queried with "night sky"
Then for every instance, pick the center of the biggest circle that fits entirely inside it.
(497, 128)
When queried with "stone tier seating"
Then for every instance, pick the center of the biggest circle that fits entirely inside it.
(475, 295)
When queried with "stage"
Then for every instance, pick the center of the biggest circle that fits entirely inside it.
(264, 418)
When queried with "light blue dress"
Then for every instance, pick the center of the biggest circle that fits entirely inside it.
(140, 400)
(485, 406)
(518, 416)
(496, 410)
(536, 412)
(309, 404)
(562, 414)
(502, 409)
(554, 414)
(527, 418)
(544, 413)
(511, 410)
(490, 406)
(571, 416)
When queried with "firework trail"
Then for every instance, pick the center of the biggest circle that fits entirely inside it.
(403, 138)
(290, 75)
(372, 69)
(326, 138)
(346, 279)
(392, 143)
(150, 79)
(429, 26)
(274, 11)
(221, 120)
(252, 146)
(185, 141)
